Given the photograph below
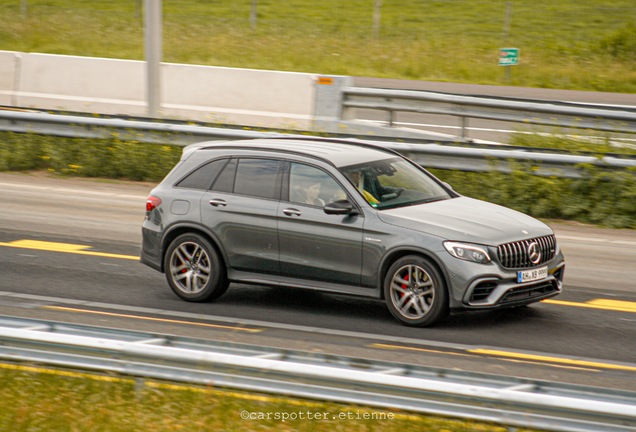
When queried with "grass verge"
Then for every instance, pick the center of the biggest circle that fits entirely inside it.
(42, 399)
(452, 40)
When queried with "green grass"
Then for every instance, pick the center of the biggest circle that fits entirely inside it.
(34, 399)
(565, 44)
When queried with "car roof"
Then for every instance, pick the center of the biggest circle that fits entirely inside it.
(337, 151)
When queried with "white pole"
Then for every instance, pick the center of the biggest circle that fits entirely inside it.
(377, 17)
(153, 39)
(253, 13)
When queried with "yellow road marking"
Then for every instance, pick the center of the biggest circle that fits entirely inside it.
(408, 348)
(604, 304)
(618, 305)
(548, 359)
(63, 248)
(507, 355)
(468, 353)
(165, 320)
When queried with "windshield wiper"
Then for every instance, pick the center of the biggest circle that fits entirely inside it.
(427, 201)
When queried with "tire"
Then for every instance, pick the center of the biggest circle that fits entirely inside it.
(194, 270)
(415, 293)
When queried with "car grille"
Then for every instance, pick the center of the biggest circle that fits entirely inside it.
(515, 254)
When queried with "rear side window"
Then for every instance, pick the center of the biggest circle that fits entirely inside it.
(258, 177)
(204, 176)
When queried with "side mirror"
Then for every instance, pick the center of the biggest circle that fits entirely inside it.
(340, 207)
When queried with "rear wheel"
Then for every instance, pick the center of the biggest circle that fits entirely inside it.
(415, 292)
(194, 270)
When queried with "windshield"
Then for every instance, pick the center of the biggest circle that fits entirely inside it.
(394, 183)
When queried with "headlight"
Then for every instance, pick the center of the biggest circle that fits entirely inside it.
(468, 252)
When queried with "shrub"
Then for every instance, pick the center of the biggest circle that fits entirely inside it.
(621, 44)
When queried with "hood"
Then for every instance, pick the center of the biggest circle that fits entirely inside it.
(467, 219)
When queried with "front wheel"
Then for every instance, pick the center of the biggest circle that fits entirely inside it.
(194, 270)
(415, 292)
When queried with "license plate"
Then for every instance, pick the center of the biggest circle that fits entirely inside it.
(532, 275)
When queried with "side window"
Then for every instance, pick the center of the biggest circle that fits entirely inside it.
(258, 177)
(204, 176)
(312, 186)
(225, 181)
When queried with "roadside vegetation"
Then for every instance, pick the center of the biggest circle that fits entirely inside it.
(566, 44)
(38, 399)
(602, 197)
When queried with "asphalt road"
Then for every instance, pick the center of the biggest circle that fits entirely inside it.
(69, 247)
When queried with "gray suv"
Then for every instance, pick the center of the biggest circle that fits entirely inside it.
(343, 217)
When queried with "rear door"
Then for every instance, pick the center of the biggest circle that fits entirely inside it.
(241, 210)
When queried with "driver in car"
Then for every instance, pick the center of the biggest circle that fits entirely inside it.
(370, 187)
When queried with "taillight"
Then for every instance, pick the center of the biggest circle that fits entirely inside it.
(152, 203)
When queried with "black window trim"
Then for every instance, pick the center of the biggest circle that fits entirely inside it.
(201, 165)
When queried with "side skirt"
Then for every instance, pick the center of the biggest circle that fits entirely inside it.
(274, 280)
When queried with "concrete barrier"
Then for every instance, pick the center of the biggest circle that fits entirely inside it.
(82, 84)
(233, 96)
(239, 96)
(203, 93)
(9, 62)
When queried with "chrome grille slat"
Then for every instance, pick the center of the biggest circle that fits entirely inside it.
(515, 254)
(508, 249)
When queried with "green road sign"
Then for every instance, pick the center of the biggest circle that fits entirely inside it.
(508, 56)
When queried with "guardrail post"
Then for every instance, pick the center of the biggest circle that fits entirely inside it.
(464, 132)
(391, 115)
(328, 106)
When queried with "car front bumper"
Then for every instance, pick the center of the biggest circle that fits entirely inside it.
(477, 286)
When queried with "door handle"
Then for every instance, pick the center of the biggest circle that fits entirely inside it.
(218, 202)
(292, 212)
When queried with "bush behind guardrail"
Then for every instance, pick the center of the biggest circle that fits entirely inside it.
(107, 158)
(606, 198)
(599, 197)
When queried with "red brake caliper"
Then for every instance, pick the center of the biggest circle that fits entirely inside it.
(406, 278)
(185, 270)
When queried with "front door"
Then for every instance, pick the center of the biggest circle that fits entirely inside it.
(315, 245)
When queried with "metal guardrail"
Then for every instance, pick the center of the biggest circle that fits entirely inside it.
(75, 126)
(508, 401)
(428, 154)
(561, 114)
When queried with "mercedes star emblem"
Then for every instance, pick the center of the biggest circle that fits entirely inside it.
(534, 253)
